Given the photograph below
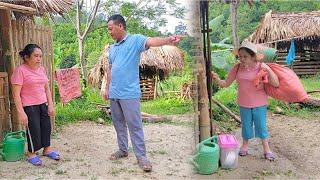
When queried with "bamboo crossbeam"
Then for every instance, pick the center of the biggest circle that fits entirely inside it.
(19, 8)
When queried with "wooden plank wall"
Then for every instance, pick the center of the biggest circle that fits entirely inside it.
(306, 63)
(147, 88)
(26, 32)
(4, 104)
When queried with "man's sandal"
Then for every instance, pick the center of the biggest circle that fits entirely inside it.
(118, 155)
(145, 165)
(269, 156)
(35, 160)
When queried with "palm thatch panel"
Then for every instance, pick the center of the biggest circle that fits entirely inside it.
(155, 61)
(304, 27)
(44, 6)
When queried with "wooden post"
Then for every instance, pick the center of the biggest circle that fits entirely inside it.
(5, 125)
(203, 112)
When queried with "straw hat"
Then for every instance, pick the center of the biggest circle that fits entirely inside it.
(252, 47)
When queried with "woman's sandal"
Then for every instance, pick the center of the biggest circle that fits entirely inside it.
(269, 156)
(145, 165)
(53, 155)
(118, 154)
(243, 153)
(35, 160)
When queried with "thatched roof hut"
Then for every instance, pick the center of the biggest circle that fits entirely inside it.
(37, 7)
(278, 29)
(17, 29)
(156, 63)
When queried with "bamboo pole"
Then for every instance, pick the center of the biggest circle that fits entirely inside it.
(202, 100)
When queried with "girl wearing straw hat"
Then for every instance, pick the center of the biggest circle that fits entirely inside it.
(252, 100)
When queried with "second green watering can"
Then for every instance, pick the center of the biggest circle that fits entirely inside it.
(206, 161)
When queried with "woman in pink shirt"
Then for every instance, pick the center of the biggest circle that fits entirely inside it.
(34, 103)
(252, 100)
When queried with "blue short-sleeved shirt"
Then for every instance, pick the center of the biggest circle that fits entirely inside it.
(124, 56)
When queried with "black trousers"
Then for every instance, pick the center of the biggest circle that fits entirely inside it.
(39, 127)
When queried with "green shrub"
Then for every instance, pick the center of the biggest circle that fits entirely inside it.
(82, 108)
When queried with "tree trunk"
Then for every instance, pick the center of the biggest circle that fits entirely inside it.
(233, 11)
(81, 36)
(83, 61)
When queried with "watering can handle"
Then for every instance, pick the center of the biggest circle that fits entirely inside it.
(209, 139)
(16, 132)
(192, 161)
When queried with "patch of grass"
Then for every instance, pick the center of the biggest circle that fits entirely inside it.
(116, 171)
(161, 152)
(117, 162)
(93, 178)
(61, 172)
(82, 108)
(266, 173)
(289, 173)
(167, 105)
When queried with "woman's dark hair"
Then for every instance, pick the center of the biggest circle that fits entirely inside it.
(28, 50)
(118, 19)
(252, 54)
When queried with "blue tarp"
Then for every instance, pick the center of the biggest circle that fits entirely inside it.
(291, 53)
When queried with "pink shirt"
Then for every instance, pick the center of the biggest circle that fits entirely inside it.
(33, 84)
(248, 95)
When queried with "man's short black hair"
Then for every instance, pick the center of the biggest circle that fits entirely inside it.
(118, 19)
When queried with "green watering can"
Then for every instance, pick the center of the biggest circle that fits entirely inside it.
(12, 148)
(206, 161)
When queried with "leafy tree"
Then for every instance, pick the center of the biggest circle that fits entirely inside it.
(68, 61)
(65, 35)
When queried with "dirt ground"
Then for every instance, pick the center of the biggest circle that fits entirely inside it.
(296, 145)
(86, 146)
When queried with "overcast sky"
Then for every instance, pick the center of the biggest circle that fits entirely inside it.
(170, 27)
(174, 21)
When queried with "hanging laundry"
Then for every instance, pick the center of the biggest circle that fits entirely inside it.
(68, 84)
(291, 53)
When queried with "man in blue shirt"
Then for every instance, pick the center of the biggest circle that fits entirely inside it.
(123, 87)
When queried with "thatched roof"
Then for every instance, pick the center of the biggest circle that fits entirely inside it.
(164, 59)
(304, 27)
(42, 7)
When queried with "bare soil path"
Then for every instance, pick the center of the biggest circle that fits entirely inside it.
(86, 146)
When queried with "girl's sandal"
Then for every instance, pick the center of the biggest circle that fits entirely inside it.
(269, 156)
(118, 154)
(243, 153)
